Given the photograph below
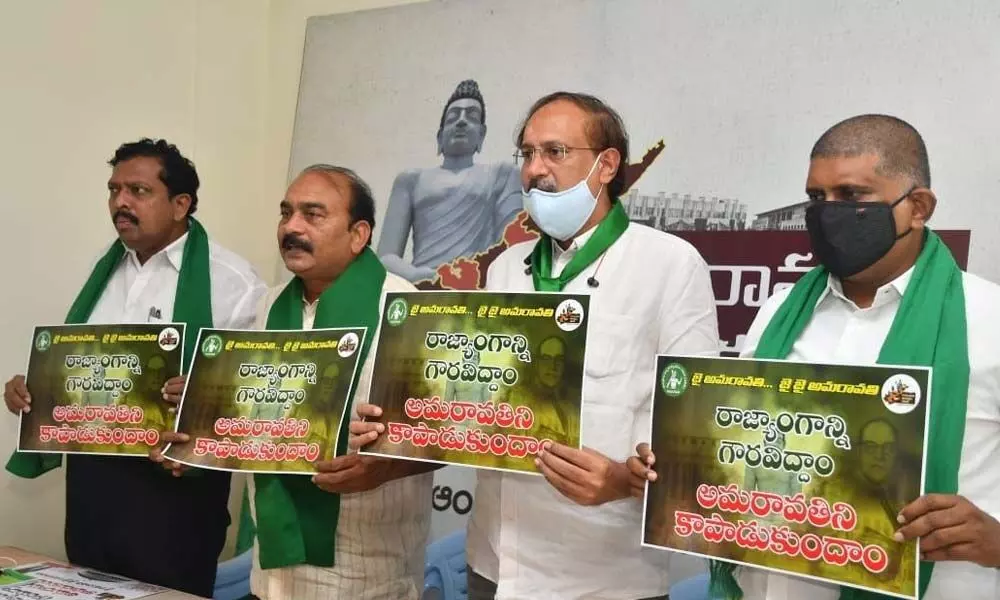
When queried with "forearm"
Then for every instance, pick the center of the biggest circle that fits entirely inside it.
(397, 265)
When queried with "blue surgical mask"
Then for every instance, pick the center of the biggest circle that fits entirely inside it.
(562, 214)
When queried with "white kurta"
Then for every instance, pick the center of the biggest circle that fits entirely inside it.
(145, 293)
(381, 534)
(654, 295)
(840, 332)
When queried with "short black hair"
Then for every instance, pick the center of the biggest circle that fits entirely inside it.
(362, 206)
(898, 145)
(176, 171)
(605, 129)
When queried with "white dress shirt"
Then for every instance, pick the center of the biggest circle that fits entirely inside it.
(381, 534)
(561, 258)
(840, 332)
(653, 296)
(145, 293)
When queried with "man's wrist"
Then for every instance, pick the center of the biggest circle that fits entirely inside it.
(399, 469)
(994, 558)
(622, 482)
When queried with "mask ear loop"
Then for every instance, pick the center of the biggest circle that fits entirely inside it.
(597, 161)
(895, 204)
(586, 179)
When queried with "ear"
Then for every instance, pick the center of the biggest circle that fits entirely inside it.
(440, 150)
(482, 138)
(361, 233)
(924, 202)
(610, 162)
(181, 202)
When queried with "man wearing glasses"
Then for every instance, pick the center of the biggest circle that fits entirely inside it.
(574, 532)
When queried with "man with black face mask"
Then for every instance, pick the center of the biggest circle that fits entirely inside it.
(889, 291)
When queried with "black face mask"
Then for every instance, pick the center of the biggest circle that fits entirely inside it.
(848, 237)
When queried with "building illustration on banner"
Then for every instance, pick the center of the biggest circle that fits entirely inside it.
(682, 213)
(786, 218)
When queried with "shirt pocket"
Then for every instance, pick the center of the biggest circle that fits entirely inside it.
(608, 429)
(610, 396)
(611, 343)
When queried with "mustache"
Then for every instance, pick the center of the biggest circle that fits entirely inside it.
(543, 184)
(124, 214)
(290, 241)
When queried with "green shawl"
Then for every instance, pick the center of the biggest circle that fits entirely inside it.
(611, 227)
(192, 305)
(297, 521)
(929, 330)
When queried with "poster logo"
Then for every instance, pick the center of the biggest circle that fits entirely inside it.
(169, 339)
(674, 380)
(348, 345)
(900, 394)
(44, 341)
(396, 313)
(569, 315)
(212, 346)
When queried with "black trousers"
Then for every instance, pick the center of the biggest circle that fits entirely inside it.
(481, 588)
(132, 517)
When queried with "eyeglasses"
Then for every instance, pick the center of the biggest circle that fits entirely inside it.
(551, 154)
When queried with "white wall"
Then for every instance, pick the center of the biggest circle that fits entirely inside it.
(78, 78)
(286, 37)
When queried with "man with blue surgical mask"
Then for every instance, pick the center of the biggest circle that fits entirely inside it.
(575, 532)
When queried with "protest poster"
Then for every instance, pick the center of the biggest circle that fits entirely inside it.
(52, 581)
(267, 401)
(480, 379)
(794, 467)
(96, 389)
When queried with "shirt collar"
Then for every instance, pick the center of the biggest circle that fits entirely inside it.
(174, 253)
(886, 294)
(574, 247)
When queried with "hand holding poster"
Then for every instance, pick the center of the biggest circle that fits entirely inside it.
(96, 389)
(266, 401)
(479, 378)
(794, 467)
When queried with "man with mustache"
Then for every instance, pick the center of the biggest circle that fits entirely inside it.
(574, 532)
(163, 267)
(888, 291)
(358, 529)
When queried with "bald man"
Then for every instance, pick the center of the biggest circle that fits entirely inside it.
(889, 291)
